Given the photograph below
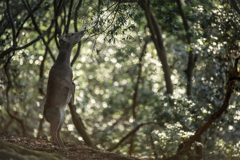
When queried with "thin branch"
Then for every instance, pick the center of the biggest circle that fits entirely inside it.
(69, 17)
(57, 9)
(4, 53)
(134, 105)
(117, 6)
(131, 146)
(26, 4)
(191, 62)
(76, 29)
(153, 147)
(40, 127)
(7, 97)
(12, 24)
(24, 21)
(64, 18)
(76, 15)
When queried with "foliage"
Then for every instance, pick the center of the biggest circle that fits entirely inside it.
(107, 69)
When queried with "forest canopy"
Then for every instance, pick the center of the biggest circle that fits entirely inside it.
(154, 79)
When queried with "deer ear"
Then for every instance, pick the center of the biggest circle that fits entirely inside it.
(62, 38)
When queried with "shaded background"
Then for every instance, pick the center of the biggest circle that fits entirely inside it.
(148, 74)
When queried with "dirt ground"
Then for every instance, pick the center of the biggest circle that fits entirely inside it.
(74, 151)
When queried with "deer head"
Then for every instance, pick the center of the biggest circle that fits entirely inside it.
(71, 38)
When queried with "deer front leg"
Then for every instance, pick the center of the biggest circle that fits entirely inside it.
(70, 86)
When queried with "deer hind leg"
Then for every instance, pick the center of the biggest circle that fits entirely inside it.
(53, 116)
(54, 132)
(59, 130)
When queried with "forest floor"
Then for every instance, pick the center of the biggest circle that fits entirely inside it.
(74, 151)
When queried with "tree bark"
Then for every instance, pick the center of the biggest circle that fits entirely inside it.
(158, 42)
(77, 121)
(191, 61)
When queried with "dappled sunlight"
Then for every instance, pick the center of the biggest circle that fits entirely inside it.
(135, 93)
(70, 127)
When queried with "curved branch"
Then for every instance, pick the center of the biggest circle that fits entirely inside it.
(208, 123)
(77, 121)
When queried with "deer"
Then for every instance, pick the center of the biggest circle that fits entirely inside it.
(60, 86)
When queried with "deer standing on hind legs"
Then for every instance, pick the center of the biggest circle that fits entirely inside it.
(60, 87)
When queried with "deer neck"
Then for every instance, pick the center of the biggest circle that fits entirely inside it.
(64, 54)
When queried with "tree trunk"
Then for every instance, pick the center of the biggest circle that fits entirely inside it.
(158, 42)
(191, 61)
(77, 121)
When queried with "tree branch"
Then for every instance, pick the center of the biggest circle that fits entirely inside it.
(12, 24)
(77, 121)
(69, 17)
(4, 53)
(191, 62)
(158, 42)
(7, 97)
(76, 29)
(35, 9)
(134, 105)
(235, 6)
(183, 146)
(27, 6)
(57, 9)
(208, 123)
